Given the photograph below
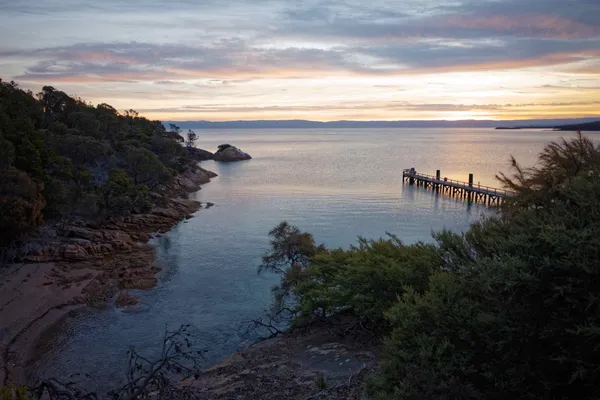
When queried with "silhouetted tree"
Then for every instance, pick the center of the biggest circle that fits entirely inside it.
(191, 138)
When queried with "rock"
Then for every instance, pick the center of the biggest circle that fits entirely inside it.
(228, 152)
(125, 299)
(200, 154)
(75, 252)
(294, 366)
(190, 181)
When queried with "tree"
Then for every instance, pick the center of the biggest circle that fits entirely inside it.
(7, 153)
(559, 163)
(170, 153)
(144, 167)
(86, 123)
(80, 149)
(290, 253)
(289, 248)
(191, 138)
(21, 205)
(120, 194)
(174, 133)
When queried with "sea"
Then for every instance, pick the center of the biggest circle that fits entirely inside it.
(336, 184)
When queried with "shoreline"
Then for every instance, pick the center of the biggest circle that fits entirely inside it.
(87, 268)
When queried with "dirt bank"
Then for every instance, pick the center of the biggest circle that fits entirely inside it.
(80, 264)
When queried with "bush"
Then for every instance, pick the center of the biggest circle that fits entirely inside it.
(365, 280)
(120, 194)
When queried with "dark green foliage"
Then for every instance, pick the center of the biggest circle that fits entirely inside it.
(21, 205)
(289, 247)
(120, 193)
(558, 164)
(73, 151)
(365, 280)
(80, 149)
(7, 153)
(144, 167)
(170, 152)
(291, 252)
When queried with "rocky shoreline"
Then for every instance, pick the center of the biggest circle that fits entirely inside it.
(84, 265)
(298, 365)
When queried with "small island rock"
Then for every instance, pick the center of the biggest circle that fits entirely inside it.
(228, 152)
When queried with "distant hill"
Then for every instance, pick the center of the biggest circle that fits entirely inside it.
(304, 124)
(574, 126)
(589, 126)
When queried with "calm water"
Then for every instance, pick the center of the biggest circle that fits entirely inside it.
(336, 184)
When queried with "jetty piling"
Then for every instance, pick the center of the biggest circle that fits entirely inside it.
(465, 190)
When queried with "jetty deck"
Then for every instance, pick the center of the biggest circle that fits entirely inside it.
(467, 190)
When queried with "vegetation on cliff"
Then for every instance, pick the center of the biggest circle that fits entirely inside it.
(508, 309)
(62, 158)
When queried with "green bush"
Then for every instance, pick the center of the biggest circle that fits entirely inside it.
(365, 280)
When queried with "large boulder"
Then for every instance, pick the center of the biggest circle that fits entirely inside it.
(228, 152)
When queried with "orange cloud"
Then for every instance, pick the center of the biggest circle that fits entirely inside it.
(103, 57)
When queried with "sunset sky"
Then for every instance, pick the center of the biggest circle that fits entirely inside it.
(318, 60)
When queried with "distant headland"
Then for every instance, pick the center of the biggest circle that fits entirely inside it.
(305, 124)
(586, 126)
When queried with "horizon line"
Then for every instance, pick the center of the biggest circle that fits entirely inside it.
(593, 117)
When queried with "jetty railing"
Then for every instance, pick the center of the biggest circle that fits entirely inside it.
(485, 193)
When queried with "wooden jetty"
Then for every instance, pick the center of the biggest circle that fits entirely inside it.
(467, 190)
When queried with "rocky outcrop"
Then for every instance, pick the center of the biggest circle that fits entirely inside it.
(81, 241)
(200, 154)
(320, 365)
(189, 181)
(228, 152)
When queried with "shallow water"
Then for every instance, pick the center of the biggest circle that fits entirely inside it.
(336, 184)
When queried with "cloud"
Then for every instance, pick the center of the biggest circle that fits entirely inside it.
(233, 61)
(440, 19)
(146, 61)
(391, 106)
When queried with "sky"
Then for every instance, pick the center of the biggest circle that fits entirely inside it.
(321, 60)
